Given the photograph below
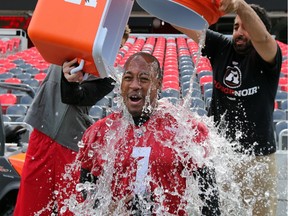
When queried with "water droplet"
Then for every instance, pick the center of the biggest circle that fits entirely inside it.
(109, 122)
(90, 153)
(80, 187)
(81, 144)
(63, 209)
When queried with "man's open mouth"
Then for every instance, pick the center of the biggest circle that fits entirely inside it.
(135, 97)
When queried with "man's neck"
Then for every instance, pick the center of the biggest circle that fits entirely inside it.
(140, 120)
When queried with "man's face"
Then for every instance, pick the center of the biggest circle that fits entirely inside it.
(241, 39)
(139, 87)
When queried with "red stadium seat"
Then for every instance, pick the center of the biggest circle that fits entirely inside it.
(3, 70)
(205, 79)
(40, 76)
(13, 80)
(9, 65)
(172, 78)
(284, 88)
(170, 85)
(7, 100)
(283, 81)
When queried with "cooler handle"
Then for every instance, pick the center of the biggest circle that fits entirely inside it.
(78, 68)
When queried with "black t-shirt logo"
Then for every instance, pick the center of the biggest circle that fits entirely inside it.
(232, 77)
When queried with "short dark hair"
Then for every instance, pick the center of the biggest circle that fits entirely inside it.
(263, 15)
(153, 59)
(126, 32)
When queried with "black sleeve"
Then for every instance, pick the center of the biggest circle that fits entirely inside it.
(214, 44)
(86, 176)
(86, 93)
(209, 192)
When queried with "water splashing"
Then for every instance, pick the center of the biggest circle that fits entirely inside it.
(215, 152)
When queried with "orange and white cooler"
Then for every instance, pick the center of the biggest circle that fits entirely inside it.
(90, 30)
(190, 14)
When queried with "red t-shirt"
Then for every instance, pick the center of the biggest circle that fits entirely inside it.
(152, 156)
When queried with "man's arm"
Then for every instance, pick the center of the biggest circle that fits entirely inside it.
(74, 91)
(262, 40)
(191, 33)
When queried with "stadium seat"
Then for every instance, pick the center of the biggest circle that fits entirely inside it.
(208, 85)
(96, 112)
(32, 82)
(204, 73)
(284, 88)
(197, 103)
(25, 66)
(186, 62)
(279, 115)
(284, 105)
(3, 69)
(3, 90)
(13, 80)
(208, 102)
(207, 94)
(41, 65)
(20, 119)
(9, 65)
(16, 111)
(283, 139)
(199, 111)
(18, 61)
(280, 135)
(283, 81)
(16, 71)
(172, 100)
(105, 102)
(40, 77)
(186, 86)
(205, 79)
(186, 78)
(281, 95)
(170, 78)
(186, 71)
(186, 67)
(169, 92)
(203, 67)
(6, 118)
(170, 84)
(6, 100)
(23, 76)
(33, 71)
(26, 100)
(195, 93)
(171, 71)
(185, 58)
(6, 75)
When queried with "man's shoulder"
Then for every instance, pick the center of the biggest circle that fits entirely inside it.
(105, 121)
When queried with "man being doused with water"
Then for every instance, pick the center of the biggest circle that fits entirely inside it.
(148, 159)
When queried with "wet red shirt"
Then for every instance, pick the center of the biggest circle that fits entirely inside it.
(148, 158)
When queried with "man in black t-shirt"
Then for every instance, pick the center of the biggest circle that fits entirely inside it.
(246, 70)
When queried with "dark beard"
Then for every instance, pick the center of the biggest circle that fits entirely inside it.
(244, 48)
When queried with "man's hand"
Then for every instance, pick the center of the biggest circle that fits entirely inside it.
(229, 6)
(67, 67)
